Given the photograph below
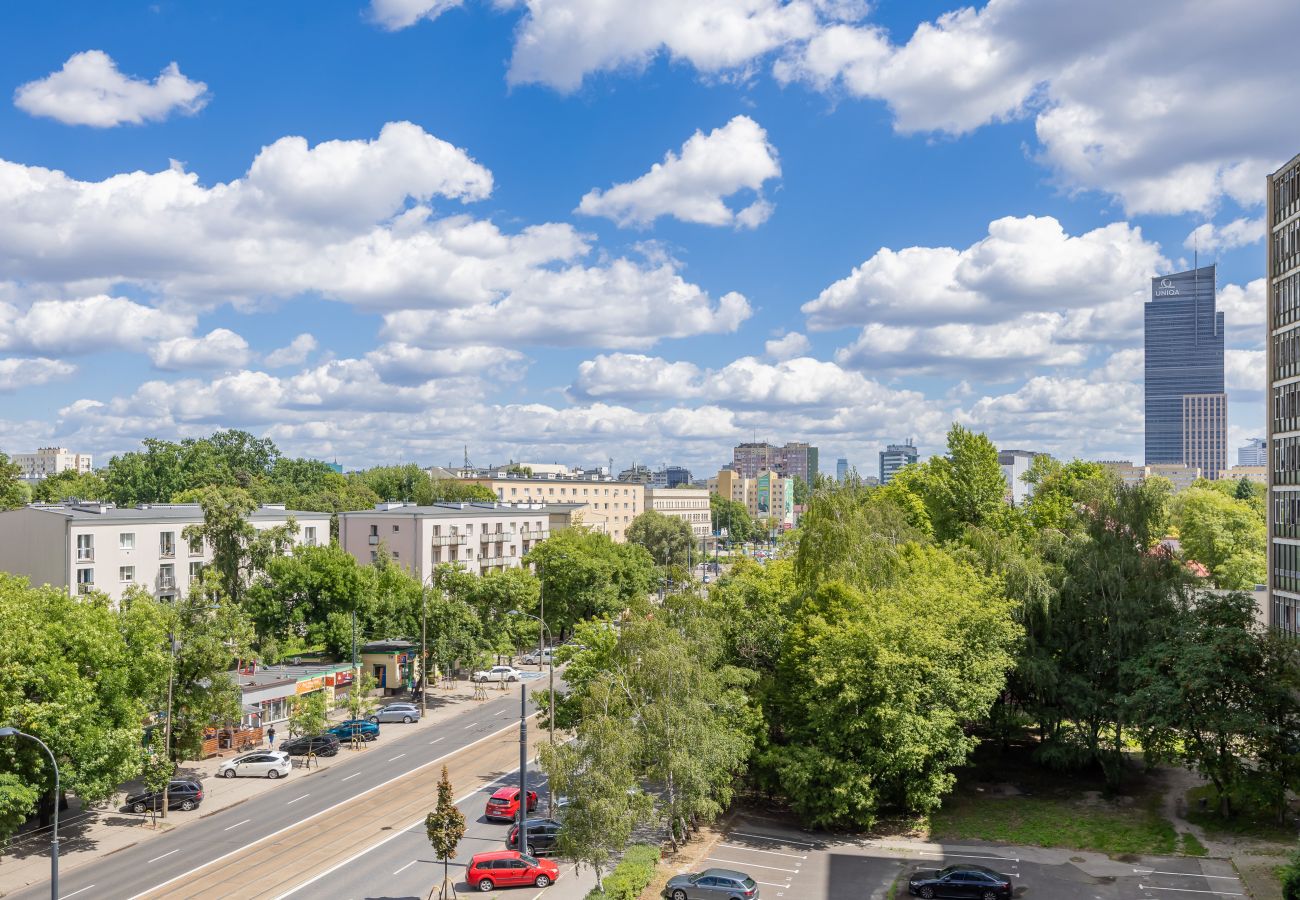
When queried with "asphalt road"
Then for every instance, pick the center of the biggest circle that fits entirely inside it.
(310, 814)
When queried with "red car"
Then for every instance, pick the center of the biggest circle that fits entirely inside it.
(504, 804)
(509, 868)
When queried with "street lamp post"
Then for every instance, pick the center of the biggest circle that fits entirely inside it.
(523, 769)
(173, 644)
(424, 650)
(550, 691)
(54, 840)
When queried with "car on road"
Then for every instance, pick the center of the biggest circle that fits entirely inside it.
(712, 884)
(344, 731)
(182, 793)
(396, 712)
(320, 744)
(509, 868)
(543, 835)
(504, 804)
(545, 656)
(259, 763)
(975, 882)
(498, 673)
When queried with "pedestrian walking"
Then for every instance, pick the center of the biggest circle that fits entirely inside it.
(270, 736)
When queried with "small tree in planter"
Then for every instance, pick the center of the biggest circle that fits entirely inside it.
(445, 827)
(360, 703)
(157, 773)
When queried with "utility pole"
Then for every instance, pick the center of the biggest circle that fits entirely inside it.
(523, 768)
(541, 632)
(167, 726)
(424, 651)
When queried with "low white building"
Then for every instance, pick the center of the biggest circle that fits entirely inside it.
(1015, 464)
(97, 546)
(691, 505)
(478, 537)
(49, 461)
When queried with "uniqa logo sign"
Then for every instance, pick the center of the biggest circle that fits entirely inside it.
(1166, 289)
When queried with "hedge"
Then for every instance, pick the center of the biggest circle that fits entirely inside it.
(630, 876)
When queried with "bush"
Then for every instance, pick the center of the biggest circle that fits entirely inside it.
(1290, 874)
(630, 876)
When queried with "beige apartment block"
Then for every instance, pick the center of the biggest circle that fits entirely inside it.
(1180, 476)
(691, 505)
(96, 546)
(604, 504)
(478, 537)
(1257, 474)
(49, 461)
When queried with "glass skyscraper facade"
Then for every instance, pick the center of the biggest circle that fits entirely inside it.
(1283, 351)
(1184, 359)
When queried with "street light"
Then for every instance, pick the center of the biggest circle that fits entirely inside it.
(550, 690)
(54, 840)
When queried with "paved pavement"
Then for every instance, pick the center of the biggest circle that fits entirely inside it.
(280, 837)
(792, 864)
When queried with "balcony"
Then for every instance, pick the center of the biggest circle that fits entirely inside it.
(450, 540)
(166, 582)
(492, 536)
(167, 552)
(495, 560)
(534, 535)
(85, 587)
(85, 556)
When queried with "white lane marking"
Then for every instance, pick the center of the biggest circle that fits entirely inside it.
(779, 840)
(353, 775)
(471, 725)
(78, 890)
(400, 831)
(573, 872)
(435, 740)
(769, 852)
(1184, 874)
(237, 824)
(753, 865)
(168, 853)
(405, 867)
(1152, 887)
(322, 812)
(296, 799)
(397, 757)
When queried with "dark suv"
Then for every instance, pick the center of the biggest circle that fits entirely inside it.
(543, 834)
(182, 793)
(320, 744)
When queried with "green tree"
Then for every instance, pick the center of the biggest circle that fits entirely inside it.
(802, 491)
(1274, 741)
(13, 493)
(966, 487)
(302, 590)
(667, 539)
(307, 715)
(360, 703)
(239, 550)
(733, 516)
(70, 484)
(1059, 489)
(1224, 534)
(586, 575)
(493, 596)
(158, 771)
(445, 827)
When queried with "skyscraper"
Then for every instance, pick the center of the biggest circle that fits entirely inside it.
(1186, 409)
(1282, 290)
(1253, 454)
(894, 457)
(841, 469)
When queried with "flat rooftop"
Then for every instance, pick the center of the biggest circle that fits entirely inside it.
(159, 512)
(461, 510)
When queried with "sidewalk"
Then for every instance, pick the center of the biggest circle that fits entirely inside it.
(88, 835)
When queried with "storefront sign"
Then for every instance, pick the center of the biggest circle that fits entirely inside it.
(339, 679)
(311, 684)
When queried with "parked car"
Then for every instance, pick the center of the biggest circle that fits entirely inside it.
(498, 673)
(712, 884)
(546, 655)
(182, 793)
(320, 744)
(509, 868)
(367, 731)
(960, 881)
(504, 804)
(543, 835)
(260, 763)
(396, 712)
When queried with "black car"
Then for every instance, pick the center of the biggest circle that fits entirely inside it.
(960, 881)
(182, 793)
(320, 744)
(542, 837)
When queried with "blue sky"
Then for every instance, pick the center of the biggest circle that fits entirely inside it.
(379, 230)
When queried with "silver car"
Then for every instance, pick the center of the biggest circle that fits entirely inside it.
(712, 884)
(260, 764)
(397, 712)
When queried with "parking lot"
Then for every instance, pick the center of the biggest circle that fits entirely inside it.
(792, 864)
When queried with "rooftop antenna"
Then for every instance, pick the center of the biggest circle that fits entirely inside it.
(467, 456)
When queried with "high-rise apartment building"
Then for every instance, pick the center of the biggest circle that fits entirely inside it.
(49, 461)
(1015, 464)
(795, 459)
(1282, 290)
(894, 457)
(1253, 454)
(1186, 408)
(841, 469)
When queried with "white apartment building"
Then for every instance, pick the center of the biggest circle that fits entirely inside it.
(49, 461)
(96, 546)
(691, 505)
(478, 537)
(1180, 476)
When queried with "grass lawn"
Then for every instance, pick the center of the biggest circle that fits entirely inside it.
(1010, 799)
(1247, 821)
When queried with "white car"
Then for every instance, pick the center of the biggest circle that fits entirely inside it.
(259, 763)
(546, 656)
(498, 673)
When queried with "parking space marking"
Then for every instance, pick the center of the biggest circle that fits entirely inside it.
(768, 837)
(237, 824)
(771, 884)
(1183, 874)
(168, 853)
(296, 799)
(756, 850)
(732, 862)
(405, 867)
(1152, 887)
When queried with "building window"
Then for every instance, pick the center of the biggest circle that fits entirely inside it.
(126, 573)
(396, 555)
(196, 570)
(374, 555)
(167, 543)
(396, 527)
(85, 579)
(309, 535)
(166, 577)
(85, 547)
(126, 540)
(374, 531)
(196, 546)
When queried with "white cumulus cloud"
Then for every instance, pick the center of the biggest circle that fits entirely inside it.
(220, 348)
(294, 353)
(88, 325)
(788, 346)
(89, 90)
(17, 372)
(693, 186)
(394, 15)
(1209, 237)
